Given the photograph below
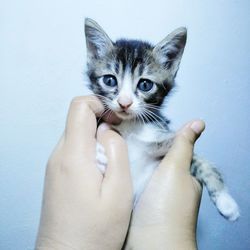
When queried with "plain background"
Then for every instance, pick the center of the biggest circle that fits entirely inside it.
(42, 63)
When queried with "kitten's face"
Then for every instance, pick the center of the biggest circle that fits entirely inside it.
(131, 77)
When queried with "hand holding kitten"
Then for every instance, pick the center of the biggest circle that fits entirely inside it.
(82, 209)
(166, 214)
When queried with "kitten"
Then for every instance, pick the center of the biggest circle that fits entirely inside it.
(132, 78)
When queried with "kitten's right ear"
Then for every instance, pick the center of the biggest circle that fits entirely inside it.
(98, 42)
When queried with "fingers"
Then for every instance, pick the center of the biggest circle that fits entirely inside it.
(111, 118)
(81, 123)
(181, 152)
(117, 176)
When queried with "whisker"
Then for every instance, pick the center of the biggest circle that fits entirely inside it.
(141, 118)
(154, 107)
(155, 115)
(156, 119)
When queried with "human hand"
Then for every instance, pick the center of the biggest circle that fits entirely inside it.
(82, 209)
(165, 216)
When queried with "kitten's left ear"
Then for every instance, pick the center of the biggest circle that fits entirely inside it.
(169, 51)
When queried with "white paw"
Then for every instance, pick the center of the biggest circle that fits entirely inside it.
(101, 158)
(227, 206)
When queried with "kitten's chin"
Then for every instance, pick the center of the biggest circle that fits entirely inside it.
(124, 115)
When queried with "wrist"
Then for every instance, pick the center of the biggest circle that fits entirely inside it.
(50, 244)
(157, 237)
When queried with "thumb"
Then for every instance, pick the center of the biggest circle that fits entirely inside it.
(181, 152)
(117, 176)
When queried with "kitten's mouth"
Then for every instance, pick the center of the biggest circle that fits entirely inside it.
(124, 115)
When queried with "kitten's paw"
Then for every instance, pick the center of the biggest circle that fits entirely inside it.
(101, 158)
(227, 206)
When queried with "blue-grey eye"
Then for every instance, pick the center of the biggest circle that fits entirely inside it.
(109, 80)
(145, 85)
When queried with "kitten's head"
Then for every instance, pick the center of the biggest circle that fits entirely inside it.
(132, 77)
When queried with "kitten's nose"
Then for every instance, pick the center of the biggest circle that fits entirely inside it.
(125, 107)
(124, 103)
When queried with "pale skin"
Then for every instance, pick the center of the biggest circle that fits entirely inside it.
(82, 209)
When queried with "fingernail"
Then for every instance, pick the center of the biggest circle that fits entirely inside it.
(103, 127)
(197, 126)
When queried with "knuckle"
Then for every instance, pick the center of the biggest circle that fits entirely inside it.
(53, 165)
(78, 99)
(186, 139)
(79, 102)
(51, 162)
(84, 99)
(115, 140)
(86, 103)
(55, 158)
(67, 164)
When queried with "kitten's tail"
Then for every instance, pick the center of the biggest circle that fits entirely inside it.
(207, 174)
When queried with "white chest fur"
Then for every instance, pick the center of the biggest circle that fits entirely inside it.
(141, 140)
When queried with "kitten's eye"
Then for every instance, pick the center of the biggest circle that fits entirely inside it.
(145, 85)
(109, 80)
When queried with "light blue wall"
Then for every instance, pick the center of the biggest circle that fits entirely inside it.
(42, 54)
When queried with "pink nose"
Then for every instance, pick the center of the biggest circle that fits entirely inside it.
(124, 103)
(125, 106)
